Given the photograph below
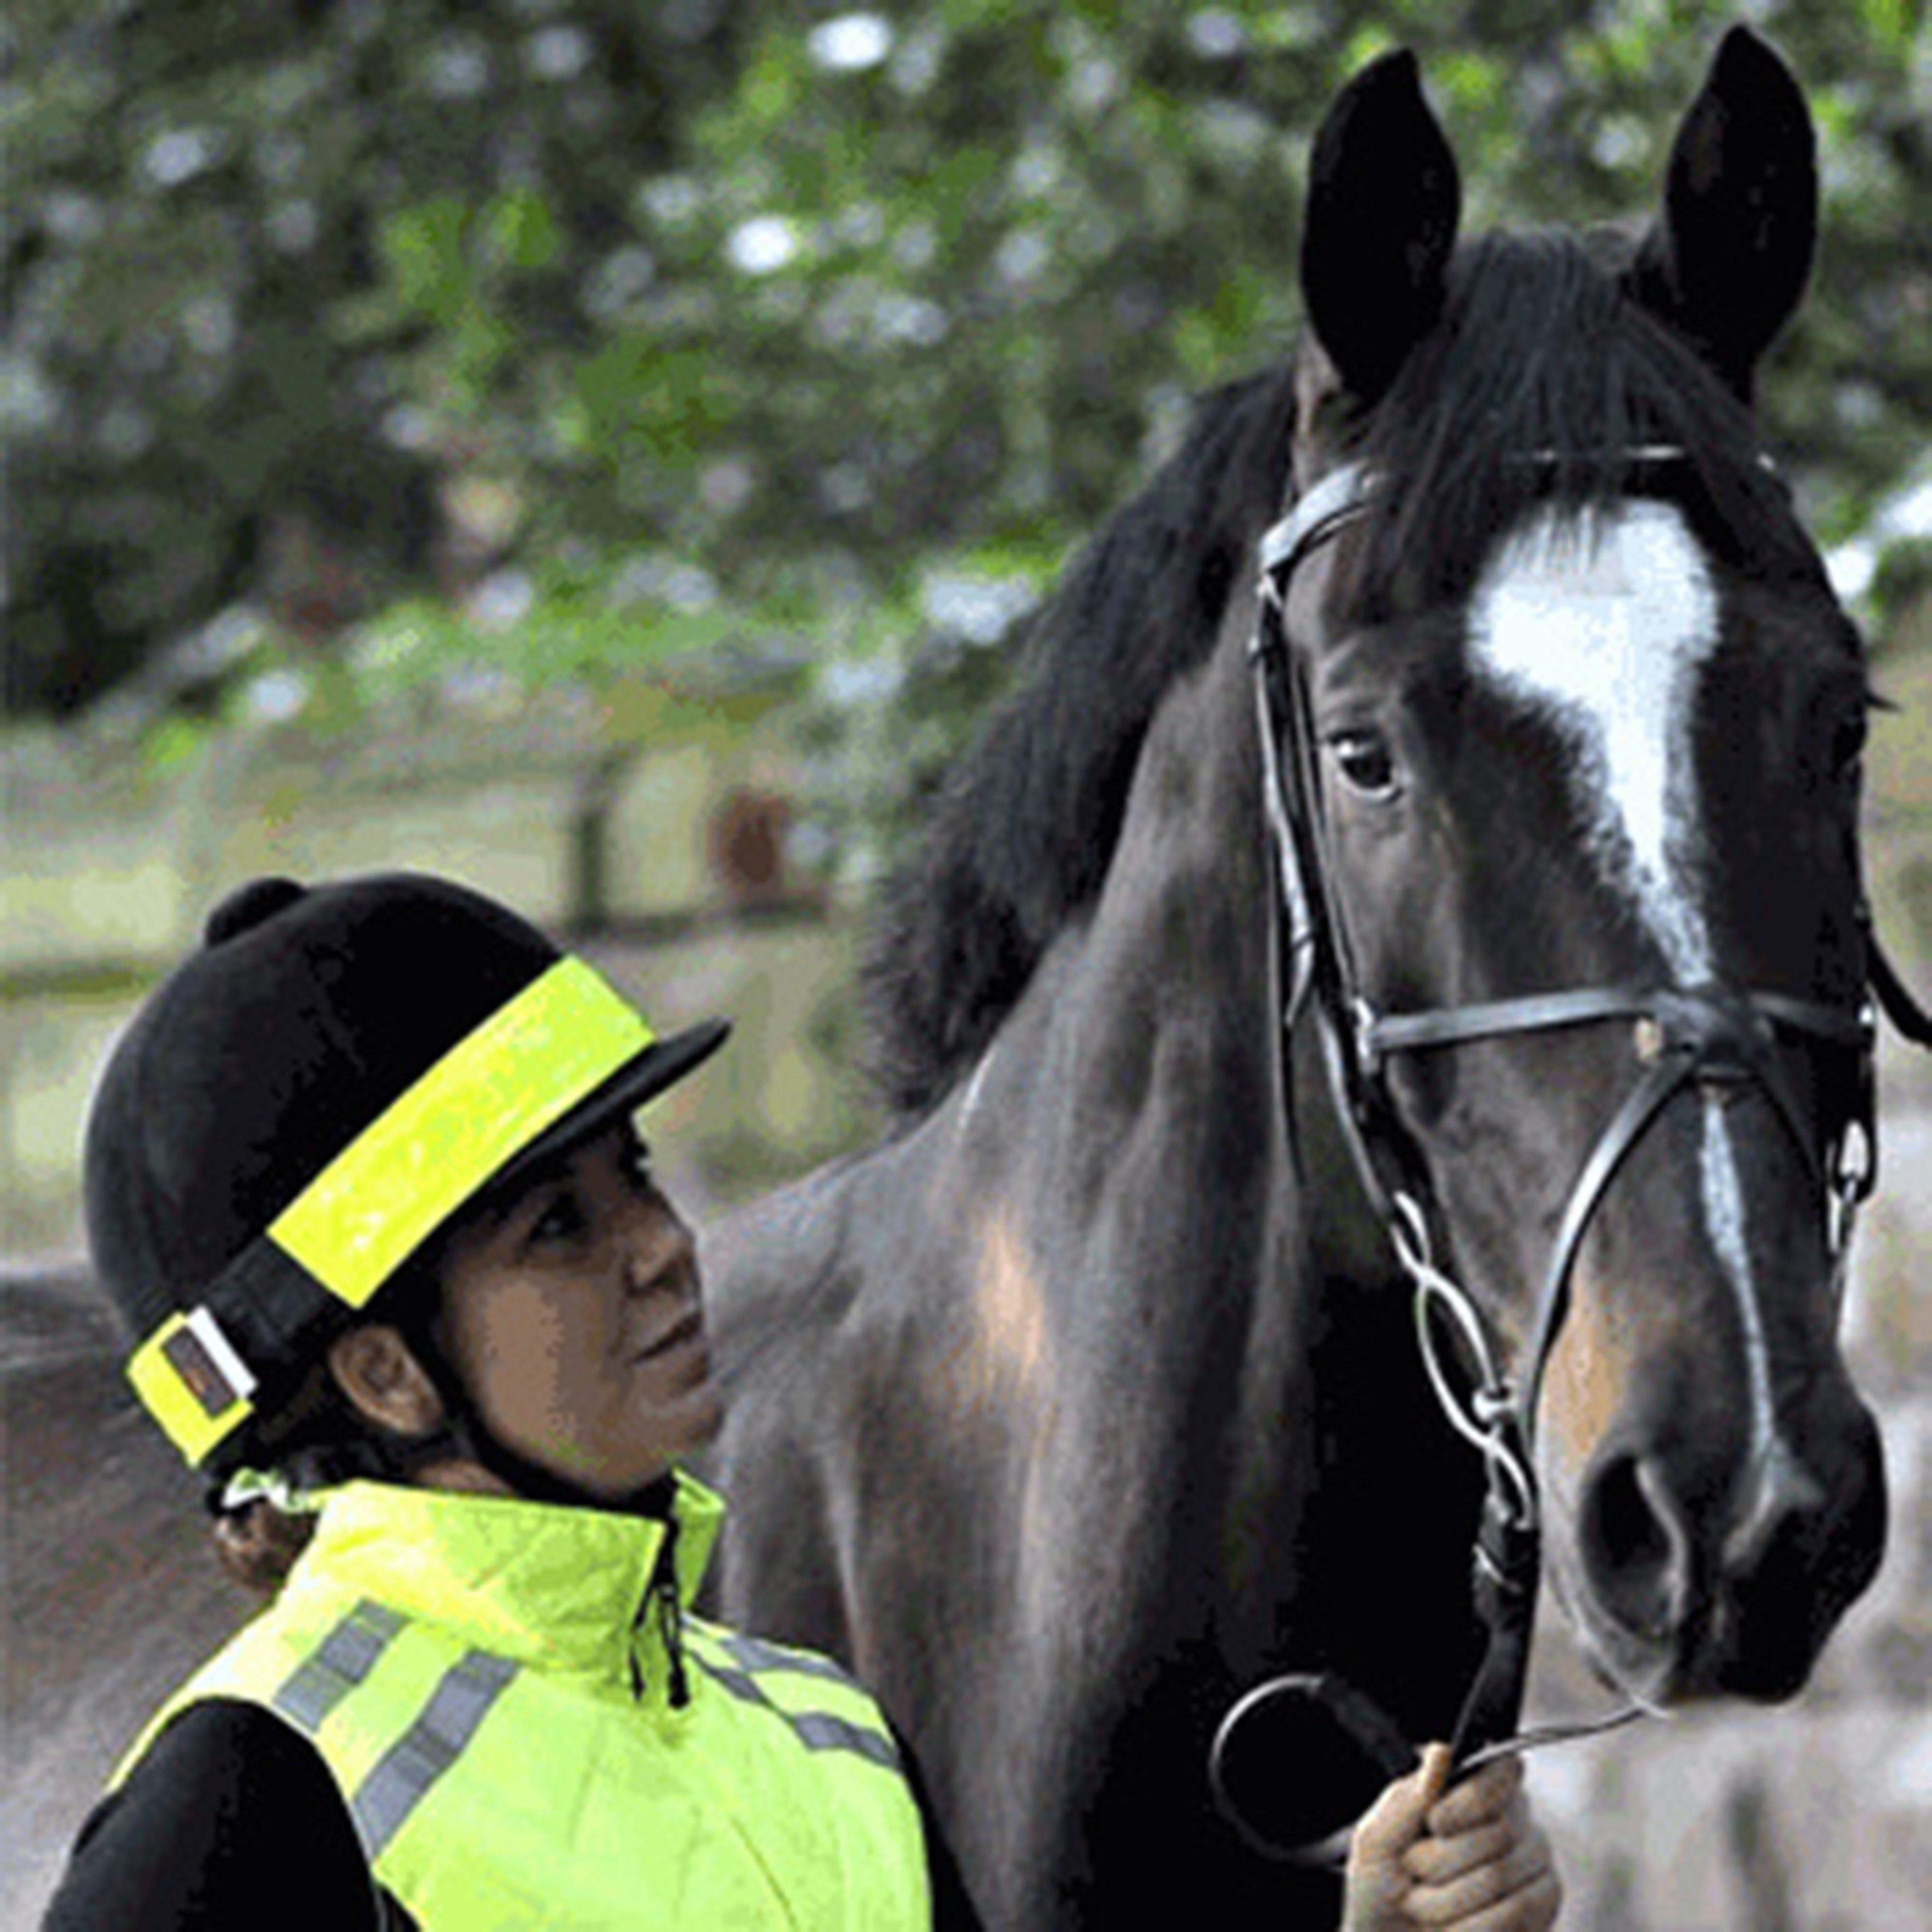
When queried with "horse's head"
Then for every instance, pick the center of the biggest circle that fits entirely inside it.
(1583, 717)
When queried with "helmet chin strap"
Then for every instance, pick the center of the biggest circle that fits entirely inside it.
(462, 1435)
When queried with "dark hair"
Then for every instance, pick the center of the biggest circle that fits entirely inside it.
(1020, 836)
(257, 1542)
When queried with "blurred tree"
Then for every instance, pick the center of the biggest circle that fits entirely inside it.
(747, 319)
(265, 263)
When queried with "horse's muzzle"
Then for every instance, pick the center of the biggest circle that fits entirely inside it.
(1689, 1588)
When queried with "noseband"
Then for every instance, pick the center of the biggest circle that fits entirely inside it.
(1709, 1037)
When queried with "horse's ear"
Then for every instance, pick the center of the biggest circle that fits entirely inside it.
(1726, 264)
(1383, 199)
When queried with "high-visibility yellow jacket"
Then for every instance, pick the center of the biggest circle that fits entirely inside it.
(529, 1729)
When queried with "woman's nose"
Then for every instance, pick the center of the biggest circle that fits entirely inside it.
(659, 1248)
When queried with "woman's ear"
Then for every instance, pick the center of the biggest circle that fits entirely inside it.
(379, 1373)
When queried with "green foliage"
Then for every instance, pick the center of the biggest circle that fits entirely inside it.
(820, 303)
(1904, 581)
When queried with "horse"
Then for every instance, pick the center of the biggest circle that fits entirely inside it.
(1416, 866)
(111, 1591)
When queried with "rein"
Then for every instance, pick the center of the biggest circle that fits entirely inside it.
(1682, 1037)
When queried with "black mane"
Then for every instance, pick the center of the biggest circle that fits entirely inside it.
(1023, 829)
(1543, 347)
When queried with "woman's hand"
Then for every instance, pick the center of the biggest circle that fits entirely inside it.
(1473, 1858)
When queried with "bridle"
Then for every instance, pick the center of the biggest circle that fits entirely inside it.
(1706, 1036)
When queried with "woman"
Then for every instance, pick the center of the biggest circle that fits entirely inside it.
(362, 1178)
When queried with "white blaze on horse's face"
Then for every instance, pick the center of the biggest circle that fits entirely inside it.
(1602, 625)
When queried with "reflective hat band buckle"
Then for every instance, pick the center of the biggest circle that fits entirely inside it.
(192, 1381)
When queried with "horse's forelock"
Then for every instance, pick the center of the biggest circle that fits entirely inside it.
(1544, 351)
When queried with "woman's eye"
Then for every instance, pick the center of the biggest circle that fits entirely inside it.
(561, 1219)
(1365, 762)
(638, 1169)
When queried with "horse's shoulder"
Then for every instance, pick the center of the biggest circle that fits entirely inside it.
(785, 1237)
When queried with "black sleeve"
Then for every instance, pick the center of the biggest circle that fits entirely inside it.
(952, 1909)
(230, 1821)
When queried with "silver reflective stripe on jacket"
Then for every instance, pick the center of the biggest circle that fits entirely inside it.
(818, 1730)
(342, 1661)
(401, 1777)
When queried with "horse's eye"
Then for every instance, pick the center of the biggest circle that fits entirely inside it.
(1366, 765)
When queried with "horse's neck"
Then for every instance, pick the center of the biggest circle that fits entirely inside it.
(1271, 1343)
(1165, 1102)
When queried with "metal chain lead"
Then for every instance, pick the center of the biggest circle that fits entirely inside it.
(1485, 1422)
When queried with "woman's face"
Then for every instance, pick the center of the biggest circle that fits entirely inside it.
(572, 1312)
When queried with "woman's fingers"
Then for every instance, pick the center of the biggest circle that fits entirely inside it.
(1471, 1857)
(1401, 1813)
(1494, 1874)
(1483, 1865)
(1473, 1825)
(1531, 1908)
(1432, 1861)
(1378, 1880)
(1484, 1795)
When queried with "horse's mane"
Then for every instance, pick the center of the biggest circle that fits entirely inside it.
(1022, 829)
(1539, 348)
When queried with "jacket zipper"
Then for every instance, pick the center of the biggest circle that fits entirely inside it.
(662, 1597)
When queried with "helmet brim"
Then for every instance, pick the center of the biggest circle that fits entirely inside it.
(660, 1066)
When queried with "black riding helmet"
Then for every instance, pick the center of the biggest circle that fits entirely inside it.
(307, 1099)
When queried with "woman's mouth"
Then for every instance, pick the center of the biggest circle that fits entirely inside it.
(688, 1328)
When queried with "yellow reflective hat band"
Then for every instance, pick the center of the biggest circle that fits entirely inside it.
(494, 1092)
(192, 1382)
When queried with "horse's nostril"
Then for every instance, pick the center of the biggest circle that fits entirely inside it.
(1784, 1499)
(1633, 1546)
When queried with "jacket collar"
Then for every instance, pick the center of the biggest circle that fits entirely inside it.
(562, 1588)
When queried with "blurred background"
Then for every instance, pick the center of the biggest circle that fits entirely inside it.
(604, 449)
